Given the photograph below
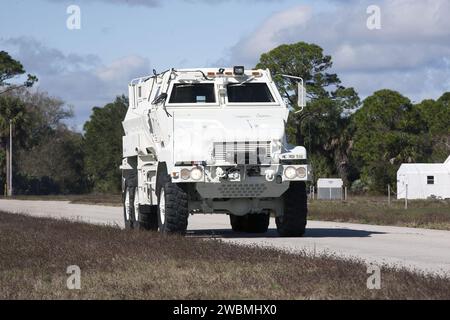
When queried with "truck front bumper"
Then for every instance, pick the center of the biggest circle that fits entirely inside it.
(276, 173)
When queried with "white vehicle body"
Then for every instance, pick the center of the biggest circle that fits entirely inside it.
(233, 155)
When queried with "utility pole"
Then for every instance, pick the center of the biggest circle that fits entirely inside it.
(406, 197)
(10, 160)
(9, 171)
(389, 194)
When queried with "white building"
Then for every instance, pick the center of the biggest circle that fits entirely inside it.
(329, 189)
(424, 180)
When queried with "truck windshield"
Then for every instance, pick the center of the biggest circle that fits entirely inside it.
(192, 93)
(249, 92)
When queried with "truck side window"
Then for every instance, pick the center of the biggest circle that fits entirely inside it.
(192, 93)
(249, 92)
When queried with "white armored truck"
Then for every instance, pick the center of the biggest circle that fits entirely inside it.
(208, 141)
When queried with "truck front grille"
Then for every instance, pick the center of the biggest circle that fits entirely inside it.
(247, 152)
(241, 190)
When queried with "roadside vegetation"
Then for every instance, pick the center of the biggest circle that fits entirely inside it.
(430, 214)
(124, 264)
(104, 199)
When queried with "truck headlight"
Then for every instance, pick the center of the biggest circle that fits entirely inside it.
(301, 172)
(290, 173)
(185, 174)
(196, 174)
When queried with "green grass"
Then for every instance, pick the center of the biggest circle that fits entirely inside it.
(124, 264)
(432, 214)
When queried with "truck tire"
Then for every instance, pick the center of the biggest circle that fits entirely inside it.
(238, 223)
(172, 208)
(293, 221)
(137, 216)
(148, 217)
(257, 223)
(251, 223)
(129, 214)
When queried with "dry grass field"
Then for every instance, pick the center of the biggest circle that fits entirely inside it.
(123, 264)
(105, 199)
(430, 214)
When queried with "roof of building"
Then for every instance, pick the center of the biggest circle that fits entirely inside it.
(329, 183)
(426, 167)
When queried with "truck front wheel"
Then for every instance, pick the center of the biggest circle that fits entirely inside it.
(258, 223)
(293, 221)
(172, 209)
(238, 223)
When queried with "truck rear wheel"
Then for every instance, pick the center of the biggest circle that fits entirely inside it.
(293, 221)
(129, 214)
(251, 223)
(137, 216)
(172, 209)
(148, 217)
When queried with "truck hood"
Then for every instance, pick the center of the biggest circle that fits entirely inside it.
(195, 136)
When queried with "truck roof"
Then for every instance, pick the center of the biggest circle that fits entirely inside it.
(212, 72)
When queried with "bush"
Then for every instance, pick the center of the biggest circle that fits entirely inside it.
(359, 187)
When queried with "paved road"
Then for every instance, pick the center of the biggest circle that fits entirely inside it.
(421, 249)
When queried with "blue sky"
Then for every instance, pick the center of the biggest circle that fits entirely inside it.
(119, 40)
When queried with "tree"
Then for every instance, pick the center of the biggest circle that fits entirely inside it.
(10, 69)
(387, 132)
(436, 115)
(322, 126)
(10, 107)
(103, 145)
(56, 165)
(50, 156)
(46, 113)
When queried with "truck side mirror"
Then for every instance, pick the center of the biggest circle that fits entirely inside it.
(301, 92)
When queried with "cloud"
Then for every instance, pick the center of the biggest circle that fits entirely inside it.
(83, 81)
(388, 57)
(119, 73)
(142, 3)
(42, 59)
(156, 3)
(278, 26)
(408, 53)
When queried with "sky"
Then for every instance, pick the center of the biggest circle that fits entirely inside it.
(119, 40)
